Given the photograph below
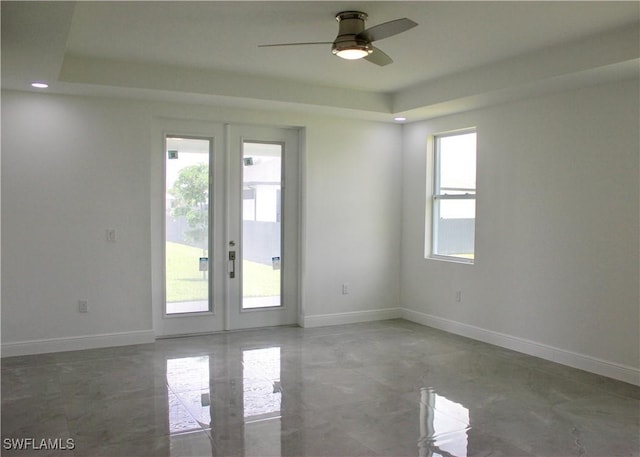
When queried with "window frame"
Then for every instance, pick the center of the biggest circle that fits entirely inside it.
(438, 196)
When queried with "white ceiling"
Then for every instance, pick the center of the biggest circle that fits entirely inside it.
(201, 51)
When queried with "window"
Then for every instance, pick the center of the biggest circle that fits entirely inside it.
(454, 196)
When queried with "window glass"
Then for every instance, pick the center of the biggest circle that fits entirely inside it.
(261, 224)
(187, 196)
(458, 162)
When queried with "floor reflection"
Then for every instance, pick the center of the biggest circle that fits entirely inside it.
(262, 393)
(262, 401)
(443, 426)
(203, 400)
(188, 384)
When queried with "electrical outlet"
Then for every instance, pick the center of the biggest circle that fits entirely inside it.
(83, 306)
(111, 234)
(345, 289)
(458, 296)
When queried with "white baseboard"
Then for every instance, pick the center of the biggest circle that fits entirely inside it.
(576, 360)
(613, 370)
(354, 317)
(77, 343)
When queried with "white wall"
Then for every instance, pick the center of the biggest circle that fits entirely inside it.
(557, 230)
(353, 222)
(75, 166)
(71, 169)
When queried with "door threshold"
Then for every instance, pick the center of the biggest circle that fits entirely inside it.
(219, 332)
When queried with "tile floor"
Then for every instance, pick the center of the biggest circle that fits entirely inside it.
(390, 388)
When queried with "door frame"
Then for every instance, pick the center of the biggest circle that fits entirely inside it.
(218, 318)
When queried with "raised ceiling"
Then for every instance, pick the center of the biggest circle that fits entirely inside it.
(208, 51)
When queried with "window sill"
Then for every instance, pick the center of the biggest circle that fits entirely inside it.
(445, 258)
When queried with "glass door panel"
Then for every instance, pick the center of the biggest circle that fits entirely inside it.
(187, 234)
(261, 224)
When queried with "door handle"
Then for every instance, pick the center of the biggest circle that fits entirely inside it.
(232, 264)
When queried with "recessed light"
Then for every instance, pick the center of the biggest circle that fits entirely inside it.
(399, 119)
(39, 85)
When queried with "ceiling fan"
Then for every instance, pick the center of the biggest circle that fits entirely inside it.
(355, 42)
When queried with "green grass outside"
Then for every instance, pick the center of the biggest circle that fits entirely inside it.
(185, 282)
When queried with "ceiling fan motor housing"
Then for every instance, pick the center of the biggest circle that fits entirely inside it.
(351, 23)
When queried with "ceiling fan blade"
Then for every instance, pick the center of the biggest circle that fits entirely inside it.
(379, 58)
(293, 44)
(386, 29)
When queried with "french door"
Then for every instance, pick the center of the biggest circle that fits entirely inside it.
(230, 228)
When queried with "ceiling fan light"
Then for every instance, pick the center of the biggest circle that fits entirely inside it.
(351, 49)
(352, 53)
